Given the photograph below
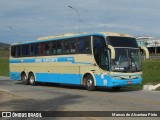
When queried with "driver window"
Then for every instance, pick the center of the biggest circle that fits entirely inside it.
(100, 52)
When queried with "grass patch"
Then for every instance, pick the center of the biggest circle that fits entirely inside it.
(151, 72)
(138, 87)
(4, 67)
(4, 53)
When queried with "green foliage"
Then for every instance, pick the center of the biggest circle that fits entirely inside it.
(4, 46)
(4, 67)
(151, 72)
(4, 53)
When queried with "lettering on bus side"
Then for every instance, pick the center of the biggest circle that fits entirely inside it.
(54, 59)
(38, 60)
(50, 60)
(70, 59)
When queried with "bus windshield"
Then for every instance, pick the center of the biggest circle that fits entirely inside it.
(127, 57)
(127, 60)
(116, 41)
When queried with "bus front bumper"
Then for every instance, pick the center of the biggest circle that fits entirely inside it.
(109, 81)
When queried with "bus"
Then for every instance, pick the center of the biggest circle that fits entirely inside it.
(93, 60)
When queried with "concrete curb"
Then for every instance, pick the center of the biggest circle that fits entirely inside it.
(150, 87)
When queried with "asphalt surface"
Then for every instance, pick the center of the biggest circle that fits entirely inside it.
(15, 96)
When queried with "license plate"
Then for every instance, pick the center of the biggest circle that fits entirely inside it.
(129, 82)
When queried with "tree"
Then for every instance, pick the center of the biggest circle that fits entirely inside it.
(146, 43)
(155, 43)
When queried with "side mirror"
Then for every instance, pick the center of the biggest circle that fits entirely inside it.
(145, 50)
(113, 53)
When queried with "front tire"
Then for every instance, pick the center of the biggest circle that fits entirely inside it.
(90, 83)
(32, 79)
(24, 79)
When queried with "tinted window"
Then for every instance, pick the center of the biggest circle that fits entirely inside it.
(122, 41)
(17, 51)
(84, 45)
(13, 51)
(59, 47)
(47, 48)
(67, 47)
(54, 48)
(25, 51)
(73, 46)
(70, 46)
(100, 52)
(35, 48)
(42, 48)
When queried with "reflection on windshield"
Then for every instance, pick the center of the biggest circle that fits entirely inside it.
(127, 60)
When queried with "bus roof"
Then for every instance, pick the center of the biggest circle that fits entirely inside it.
(71, 35)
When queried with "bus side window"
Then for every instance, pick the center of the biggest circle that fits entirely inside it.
(87, 47)
(17, 51)
(100, 52)
(50, 47)
(84, 45)
(34, 50)
(66, 47)
(80, 46)
(25, 50)
(46, 48)
(73, 46)
(42, 45)
(13, 51)
(54, 48)
(59, 47)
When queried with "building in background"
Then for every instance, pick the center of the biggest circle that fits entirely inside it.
(152, 43)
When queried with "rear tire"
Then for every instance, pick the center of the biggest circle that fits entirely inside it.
(90, 83)
(24, 79)
(32, 79)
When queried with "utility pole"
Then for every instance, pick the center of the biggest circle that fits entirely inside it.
(79, 19)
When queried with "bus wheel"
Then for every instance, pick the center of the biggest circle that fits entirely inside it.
(116, 88)
(32, 79)
(24, 79)
(90, 83)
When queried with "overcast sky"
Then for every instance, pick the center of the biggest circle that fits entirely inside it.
(25, 20)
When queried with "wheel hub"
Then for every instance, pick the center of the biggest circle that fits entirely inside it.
(24, 78)
(31, 79)
(89, 82)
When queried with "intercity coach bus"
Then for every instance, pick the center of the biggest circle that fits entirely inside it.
(99, 59)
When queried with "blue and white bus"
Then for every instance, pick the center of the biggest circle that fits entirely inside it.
(99, 59)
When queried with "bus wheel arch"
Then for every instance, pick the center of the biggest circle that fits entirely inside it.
(89, 81)
(32, 78)
(24, 78)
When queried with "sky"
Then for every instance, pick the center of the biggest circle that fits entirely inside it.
(27, 20)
